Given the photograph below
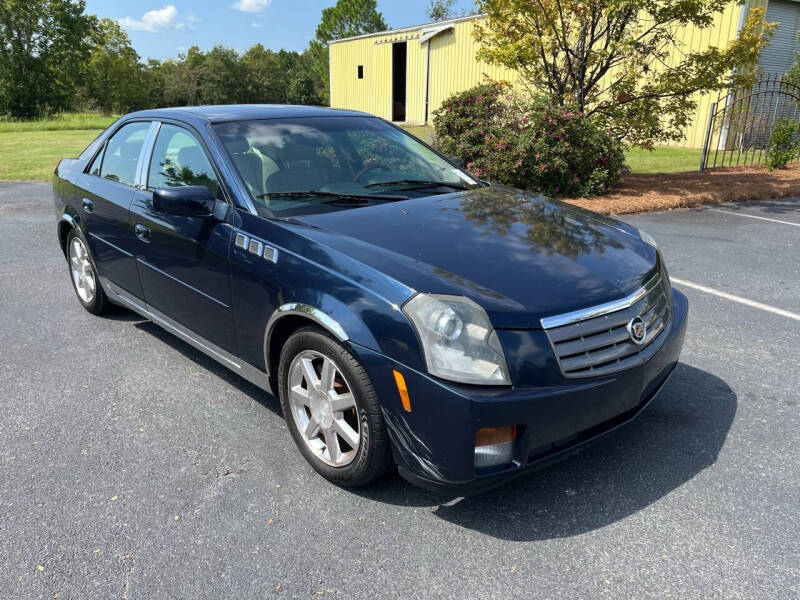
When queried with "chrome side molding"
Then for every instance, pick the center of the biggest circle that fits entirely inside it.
(252, 374)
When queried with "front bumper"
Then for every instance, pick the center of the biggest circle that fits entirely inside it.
(433, 445)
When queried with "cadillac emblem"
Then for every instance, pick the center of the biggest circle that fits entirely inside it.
(637, 330)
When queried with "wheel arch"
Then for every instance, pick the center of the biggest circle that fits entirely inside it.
(65, 224)
(288, 318)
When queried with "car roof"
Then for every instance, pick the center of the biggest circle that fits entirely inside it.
(241, 112)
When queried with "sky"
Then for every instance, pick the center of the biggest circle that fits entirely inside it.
(164, 28)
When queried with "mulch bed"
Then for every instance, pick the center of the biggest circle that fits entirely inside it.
(642, 193)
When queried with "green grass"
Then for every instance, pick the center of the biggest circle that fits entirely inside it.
(33, 155)
(60, 122)
(423, 132)
(663, 160)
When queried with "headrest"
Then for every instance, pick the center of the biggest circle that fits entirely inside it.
(192, 157)
(130, 150)
(293, 152)
(237, 145)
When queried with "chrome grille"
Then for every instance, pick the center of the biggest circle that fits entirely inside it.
(595, 341)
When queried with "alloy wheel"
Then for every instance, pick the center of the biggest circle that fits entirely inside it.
(82, 271)
(324, 408)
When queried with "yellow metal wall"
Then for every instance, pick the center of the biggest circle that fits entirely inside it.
(453, 68)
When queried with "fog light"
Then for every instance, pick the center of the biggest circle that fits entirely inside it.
(494, 446)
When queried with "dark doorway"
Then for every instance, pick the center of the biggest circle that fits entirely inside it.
(399, 54)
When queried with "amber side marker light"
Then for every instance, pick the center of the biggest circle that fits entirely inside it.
(402, 389)
(494, 445)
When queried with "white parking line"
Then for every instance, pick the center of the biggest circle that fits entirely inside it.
(728, 212)
(739, 299)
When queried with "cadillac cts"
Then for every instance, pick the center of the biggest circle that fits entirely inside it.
(404, 312)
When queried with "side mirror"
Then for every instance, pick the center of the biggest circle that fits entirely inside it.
(186, 201)
(456, 161)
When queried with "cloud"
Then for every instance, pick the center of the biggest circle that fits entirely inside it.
(152, 20)
(189, 22)
(253, 6)
(255, 25)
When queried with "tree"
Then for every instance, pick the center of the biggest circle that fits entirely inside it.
(114, 76)
(43, 45)
(302, 82)
(222, 76)
(619, 61)
(346, 18)
(441, 10)
(265, 79)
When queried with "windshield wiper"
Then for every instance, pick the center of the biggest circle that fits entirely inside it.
(419, 183)
(338, 196)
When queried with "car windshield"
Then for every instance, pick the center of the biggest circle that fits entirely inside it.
(307, 165)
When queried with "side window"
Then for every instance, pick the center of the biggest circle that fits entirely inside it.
(178, 160)
(121, 157)
(98, 160)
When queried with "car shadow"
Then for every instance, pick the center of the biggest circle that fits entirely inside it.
(678, 436)
(264, 398)
(671, 442)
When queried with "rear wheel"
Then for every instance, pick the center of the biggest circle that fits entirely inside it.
(332, 410)
(84, 276)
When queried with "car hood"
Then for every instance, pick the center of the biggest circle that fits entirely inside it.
(520, 256)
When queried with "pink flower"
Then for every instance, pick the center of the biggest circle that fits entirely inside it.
(542, 166)
(538, 155)
(557, 189)
(580, 114)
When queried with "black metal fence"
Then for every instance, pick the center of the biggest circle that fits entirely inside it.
(741, 121)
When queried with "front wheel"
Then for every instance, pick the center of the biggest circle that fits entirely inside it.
(332, 410)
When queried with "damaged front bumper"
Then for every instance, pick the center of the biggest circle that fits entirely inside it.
(434, 444)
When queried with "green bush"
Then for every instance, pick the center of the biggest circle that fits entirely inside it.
(535, 145)
(784, 144)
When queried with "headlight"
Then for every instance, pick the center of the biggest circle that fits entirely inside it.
(458, 339)
(646, 237)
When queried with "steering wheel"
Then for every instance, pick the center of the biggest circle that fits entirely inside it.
(376, 167)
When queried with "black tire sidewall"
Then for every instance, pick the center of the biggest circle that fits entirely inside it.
(373, 457)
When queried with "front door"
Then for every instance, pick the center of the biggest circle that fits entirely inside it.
(108, 188)
(183, 261)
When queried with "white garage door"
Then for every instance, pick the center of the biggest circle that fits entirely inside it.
(779, 56)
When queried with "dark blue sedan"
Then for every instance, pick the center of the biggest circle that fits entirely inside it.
(405, 312)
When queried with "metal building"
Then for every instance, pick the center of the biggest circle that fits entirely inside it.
(405, 74)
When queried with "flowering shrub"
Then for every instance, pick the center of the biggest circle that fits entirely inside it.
(535, 145)
(784, 144)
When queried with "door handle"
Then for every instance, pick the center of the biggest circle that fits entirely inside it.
(87, 205)
(142, 232)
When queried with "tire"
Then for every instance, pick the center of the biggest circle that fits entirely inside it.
(326, 409)
(84, 276)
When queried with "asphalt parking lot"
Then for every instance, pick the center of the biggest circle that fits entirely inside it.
(135, 467)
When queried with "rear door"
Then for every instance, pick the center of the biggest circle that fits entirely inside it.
(183, 261)
(107, 188)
